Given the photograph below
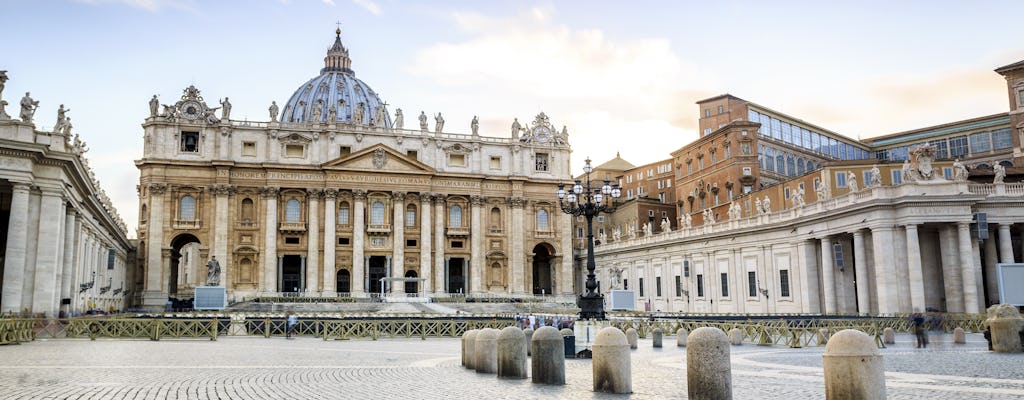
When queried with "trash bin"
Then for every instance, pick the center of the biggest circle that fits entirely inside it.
(570, 345)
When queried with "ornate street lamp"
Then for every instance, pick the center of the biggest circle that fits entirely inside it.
(584, 200)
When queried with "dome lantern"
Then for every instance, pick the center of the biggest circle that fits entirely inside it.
(337, 56)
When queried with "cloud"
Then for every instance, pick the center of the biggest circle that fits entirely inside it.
(601, 87)
(369, 5)
(148, 5)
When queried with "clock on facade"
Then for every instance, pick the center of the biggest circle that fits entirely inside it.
(191, 109)
(542, 134)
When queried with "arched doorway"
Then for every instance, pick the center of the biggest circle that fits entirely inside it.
(181, 262)
(344, 281)
(411, 286)
(543, 272)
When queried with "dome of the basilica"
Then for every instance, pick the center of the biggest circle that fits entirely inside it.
(336, 93)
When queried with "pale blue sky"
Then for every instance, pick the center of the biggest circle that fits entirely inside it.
(622, 77)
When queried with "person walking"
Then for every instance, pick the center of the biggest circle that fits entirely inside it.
(292, 321)
(920, 332)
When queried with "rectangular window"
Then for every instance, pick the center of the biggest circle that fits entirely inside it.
(941, 149)
(727, 152)
(837, 253)
(721, 109)
(343, 241)
(714, 157)
(841, 179)
(457, 160)
(707, 112)
(661, 197)
(700, 285)
(294, 150)
(410, 218)
(897, 178)
(752, 283)
(725, 284)
(291, 240)
(456, 244)
(689, 168)
(657, 286)
(249, 149)
(111, 256)
(865, 180)
(686, 268)
(1002, 139)
(679, 286)
(343, 216)
(344, 151)
(413, 154)
(957, 146)
(625, 284)
(980, 142)
(641, 280)
(495, 162)
(947, 173)
(410, 243)
(784, 283)
(541, 162)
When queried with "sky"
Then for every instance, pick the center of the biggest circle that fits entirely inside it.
(622, 76)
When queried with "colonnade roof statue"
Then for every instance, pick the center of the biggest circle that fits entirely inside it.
(336, 93)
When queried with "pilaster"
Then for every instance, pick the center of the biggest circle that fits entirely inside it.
(270, 260)
(358, 236)
(312, 267)
(518, 256)
(398, 241)
(425, 228)
(440, 263)
(476, 261)
(155, 295)
(967, 272)
(330, 242)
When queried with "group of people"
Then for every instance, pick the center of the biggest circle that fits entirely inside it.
(537, 321)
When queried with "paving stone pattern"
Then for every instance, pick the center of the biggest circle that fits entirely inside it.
(307, 368)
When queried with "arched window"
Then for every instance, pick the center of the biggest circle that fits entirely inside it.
(800, 166)
(245, 270)
(247, 210)
(495, 218)
(791, 171)
(780, 163)
(292, 211)
(410, 215)
(377, 213)
(143, 214)
(542, 220)
(769, 163)
(455, 216)
(343, 213)
(187, 211)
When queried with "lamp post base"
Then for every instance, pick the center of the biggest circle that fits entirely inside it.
(591, 307)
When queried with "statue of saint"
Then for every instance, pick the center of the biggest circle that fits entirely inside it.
(602, 237)
(767, 204)
(516, 128)
(687, 220)
(58, 127)
(632, 231)
(332, 114)
(709, 218)
(821, 190)
(908, 176)
(852, 181)
(213, 275)
(758, 207)
(475, 125)
(28, 107)
(1000, 173)
(959, 171)
(647, 229)
(273, 111)
(225, 109)
(357, 117)
(423, 121)
(798, 197)
(154, 106)
(438, 123)
(3, 82)
(399, 119)
(617, 233)
(876, 177)
(666, 226)
(318, 111)
(563, 138)
(67, 128)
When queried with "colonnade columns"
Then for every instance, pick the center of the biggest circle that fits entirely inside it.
(518, 253)
(312, 261)
(220, 230)
(330, 242)
(428, 285)
(967, 268)
(476, 261)
(439, 239)
(398, 247)
(67, 270)
(565, 280)
(952, 284)
(155, 294)
(916, 274)
(992, 255)
(45, 285)
(358, 236)
(270, 261)
(808, 281)
(17, 238)
(860, 269)
(1005, 246)
(885, 269)
(828, 275)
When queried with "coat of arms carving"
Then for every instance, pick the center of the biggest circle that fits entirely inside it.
(380, 158)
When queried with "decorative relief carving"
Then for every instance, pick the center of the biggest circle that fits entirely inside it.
(425, 197)
(359, 194)
(476, 200)
(269, 191)
(440, 197)
(330, 193)
(516, 202)
(398, 196)
(315, 192)
(157, 188)
(222, 190)
(380, 158)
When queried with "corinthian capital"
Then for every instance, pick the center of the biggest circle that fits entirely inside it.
(359, 194)
(157, 188)
(269, 191)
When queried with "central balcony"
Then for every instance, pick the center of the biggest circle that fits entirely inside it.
(457, 231)
(187, 224)
(378, 229)
(292, 227)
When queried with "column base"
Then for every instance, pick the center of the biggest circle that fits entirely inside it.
(154, 301)
(591, 307)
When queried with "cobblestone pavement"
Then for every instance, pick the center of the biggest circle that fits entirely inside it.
(308, 368)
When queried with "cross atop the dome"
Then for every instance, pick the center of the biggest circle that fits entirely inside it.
(338, 31)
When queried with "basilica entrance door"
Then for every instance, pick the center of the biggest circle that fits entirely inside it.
(542, 273)
(377, 270)
(456, 276)
(291, 273)
(411, 286)
(344, 281)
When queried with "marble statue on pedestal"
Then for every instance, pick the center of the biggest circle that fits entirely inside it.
(906, 172)
(62, 119)
(213, 275)
(666, 226)
(851, 181)
(734, 211)
(1000, 173)
(474, 125)
(225, 109)
(423, 121)
(798, 197)
(273, 111)
(602, 237)
(876, 177)
(632, 232)
(687, 221)
(318, 111)
(438, 123)
(758, 207)
(617, 233)
(709, 218)
(767, 204)
(821, 190)
(28, 107)
(647, 229)
(357, 116)
(959, 171)
(516, 128)
(399, 119)
(154, 106)
(332, 114)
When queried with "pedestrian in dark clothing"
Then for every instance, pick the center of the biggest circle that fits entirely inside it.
(920, 332)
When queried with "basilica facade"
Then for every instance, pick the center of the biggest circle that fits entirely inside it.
(334, 196)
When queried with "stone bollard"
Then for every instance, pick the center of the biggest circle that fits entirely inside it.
(632, 337)
(888, 336)
(958, 336)
(708, 368)
(548, 364)
(853, 367)
(823, 336)
(469, 348)
(611, 366)
(529, 337)
(735, 337)
(566, 332)
(512, 346)
(681, 337)
(487, 351)
(656, 337)
(1005, 324)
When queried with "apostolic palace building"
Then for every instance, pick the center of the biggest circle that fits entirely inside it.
(336, 194)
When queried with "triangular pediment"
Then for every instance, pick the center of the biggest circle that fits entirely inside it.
(379, 158)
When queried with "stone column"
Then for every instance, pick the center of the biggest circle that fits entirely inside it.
(439, 238)
(860, 267)
(270, 260)
(427, 285)
(330, 242)
(67, 268)
(17, 239)
(565, 280)
(398, 245)
(155, 295)
(806, 286)
(916, 273)
(967, 268)
(518, 256)
(313, 244)
(1005, 246)
(45, 289)
(992, 256)
(220, 230)
(885, 269)
(828, 275)
(476, 261)
(952, 284)
(358, 236)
